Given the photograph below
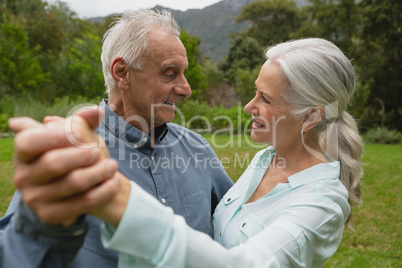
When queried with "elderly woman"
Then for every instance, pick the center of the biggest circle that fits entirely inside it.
(287, 215)
(290, 214)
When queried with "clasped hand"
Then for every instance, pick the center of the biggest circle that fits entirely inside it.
(63, 169)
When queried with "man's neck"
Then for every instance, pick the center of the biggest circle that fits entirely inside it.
(117, 106)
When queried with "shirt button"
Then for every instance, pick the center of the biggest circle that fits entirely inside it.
(135, 146)
(163, 200)
(144, 139)
(79, 232)
(152, 157)
(229, 199)
(244, 224)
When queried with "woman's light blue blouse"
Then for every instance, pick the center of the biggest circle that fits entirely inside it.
(297, 224)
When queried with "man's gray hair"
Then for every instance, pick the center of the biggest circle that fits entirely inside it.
(128, 38)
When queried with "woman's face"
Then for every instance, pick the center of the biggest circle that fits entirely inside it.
(272, 122)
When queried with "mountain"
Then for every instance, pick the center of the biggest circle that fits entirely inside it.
(213, 24)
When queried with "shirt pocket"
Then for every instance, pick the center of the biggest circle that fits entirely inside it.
(197, 209)
(223, 211)
(231, 195)
(251, 226)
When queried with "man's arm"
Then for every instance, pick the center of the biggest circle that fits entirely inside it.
(25, 241)
(48, 186)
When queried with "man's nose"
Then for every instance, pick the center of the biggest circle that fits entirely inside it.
(183, 88)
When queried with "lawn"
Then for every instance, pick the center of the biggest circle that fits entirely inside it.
(376, 240)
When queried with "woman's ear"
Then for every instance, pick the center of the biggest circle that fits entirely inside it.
(120, 73)
(312, 118)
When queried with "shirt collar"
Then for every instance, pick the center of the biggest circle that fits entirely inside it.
(315, 173)
(126, 132)
(318, 172)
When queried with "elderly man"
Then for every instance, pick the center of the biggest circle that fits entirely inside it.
(143, 63)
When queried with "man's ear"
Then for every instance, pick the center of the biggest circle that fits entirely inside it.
(120, 73)
(312, 118)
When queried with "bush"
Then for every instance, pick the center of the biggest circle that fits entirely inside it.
(61, 107)
(383, 135)
(6, 111)
(6, 106)
(4, 123)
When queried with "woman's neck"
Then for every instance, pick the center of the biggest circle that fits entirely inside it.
(297, 158)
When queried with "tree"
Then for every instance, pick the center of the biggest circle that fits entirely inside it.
(20, 71)
(244, 53)
(334, 20)
(245, 84)
(271, 20)
(24, 7)
(194, 73)
(78, 72)
(46, 30)
(379, 56)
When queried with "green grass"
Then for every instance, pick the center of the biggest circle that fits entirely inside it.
(6, 173)
(376, 241)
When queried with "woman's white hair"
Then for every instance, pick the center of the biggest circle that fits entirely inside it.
(318, 73)
(128, 38)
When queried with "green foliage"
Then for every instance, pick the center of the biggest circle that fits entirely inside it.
(272, 20)
(6, 105)
(245, 84)
(380, 56)
(19, 65)
(78, 72)
(368, 31)
(4, 123)
(48, 52)
(244, 53)
(45, 30)
(194, 72)
(213, 77)
(335, 20)
(6, 111)
(383, 135)
(73, 27)
(63, 106)
(201, 117)
(25, 7)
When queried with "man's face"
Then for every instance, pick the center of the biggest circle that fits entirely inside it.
(154, 90)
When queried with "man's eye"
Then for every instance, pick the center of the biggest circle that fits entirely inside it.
(171, 73)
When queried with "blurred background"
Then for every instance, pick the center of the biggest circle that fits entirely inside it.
(50, 55)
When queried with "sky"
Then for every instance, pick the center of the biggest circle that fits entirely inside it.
(95, 8)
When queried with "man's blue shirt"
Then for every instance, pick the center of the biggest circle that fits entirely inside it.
(181, 170)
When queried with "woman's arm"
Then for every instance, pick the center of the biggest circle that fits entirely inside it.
(150, 231)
